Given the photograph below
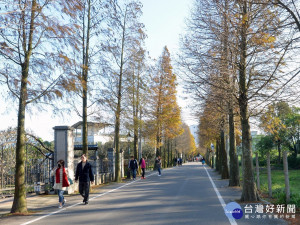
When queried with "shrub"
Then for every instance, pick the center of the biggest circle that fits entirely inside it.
(294, 162)
(280, 195)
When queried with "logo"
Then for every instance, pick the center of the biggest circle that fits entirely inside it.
(233, 211)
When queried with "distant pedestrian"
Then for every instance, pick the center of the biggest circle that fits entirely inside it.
(158, 165)
(175, 161)
(133, 165)
(61, 181)
(203, 161)
(85, 174)
(180, 161)
(143, 167)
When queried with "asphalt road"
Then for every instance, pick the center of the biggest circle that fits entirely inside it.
(182, 195)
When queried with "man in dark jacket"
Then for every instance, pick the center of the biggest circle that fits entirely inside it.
(85, 173)
(133, 165)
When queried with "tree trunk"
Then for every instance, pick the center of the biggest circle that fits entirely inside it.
(224, 165)
(168, 162)
(234, 177)
(257, 171)
(249, 192)
(286, 177)
(279, 151)
(85, 84)
(135, 133)
(269, 175)
(19, 203)
(249, 189)
(117, 138)
(118, 110)
(217, 155)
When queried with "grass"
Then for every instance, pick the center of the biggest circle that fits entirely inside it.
(278, 186)
(278, 182)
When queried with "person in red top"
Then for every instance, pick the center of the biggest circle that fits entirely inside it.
(61, 181)
(143, 167)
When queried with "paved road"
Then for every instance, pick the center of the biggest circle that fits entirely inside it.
(182, 195)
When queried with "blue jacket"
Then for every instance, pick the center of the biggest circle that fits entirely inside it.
(86, 174)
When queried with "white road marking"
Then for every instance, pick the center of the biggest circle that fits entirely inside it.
(232, 221)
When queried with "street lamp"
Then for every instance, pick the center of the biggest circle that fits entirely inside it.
(128, 141)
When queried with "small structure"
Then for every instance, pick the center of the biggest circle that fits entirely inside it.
(97, 132)
(64, 139)
(64, 149)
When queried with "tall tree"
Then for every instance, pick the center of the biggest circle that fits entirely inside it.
(32, 49)
(166, 117)
(85, 53)
(136, 89)
(122, 32)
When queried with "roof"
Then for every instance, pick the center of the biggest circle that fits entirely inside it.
(91, 124)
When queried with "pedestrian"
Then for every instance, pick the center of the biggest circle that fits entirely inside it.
(85, 174)
(203, 161)
(133, 165)
(158, 165)
(143, 167)
(180, 161)
(61, 181)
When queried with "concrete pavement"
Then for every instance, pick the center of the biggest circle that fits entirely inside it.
(181, 195)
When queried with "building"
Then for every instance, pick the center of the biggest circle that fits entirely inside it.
(97, 132)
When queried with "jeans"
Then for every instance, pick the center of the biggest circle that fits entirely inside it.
(84, 190)
(159, 170)
(133, 173)
(60, 195)
(143, 173)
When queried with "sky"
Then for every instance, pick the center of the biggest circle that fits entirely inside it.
(164, 22)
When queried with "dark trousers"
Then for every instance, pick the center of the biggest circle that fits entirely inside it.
(143, 173)
(84, 190)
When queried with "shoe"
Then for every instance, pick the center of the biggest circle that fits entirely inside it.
(86, 202)
(64, 202)
(60, 206)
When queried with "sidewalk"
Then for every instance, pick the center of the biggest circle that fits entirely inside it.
(42, 204)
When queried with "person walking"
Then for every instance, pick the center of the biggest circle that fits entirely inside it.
(133, 165)
(61, 181)
(85, 174)
(143, 167)
(158, 165)
(180, 161)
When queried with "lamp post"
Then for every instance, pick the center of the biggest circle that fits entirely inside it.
(128, 141)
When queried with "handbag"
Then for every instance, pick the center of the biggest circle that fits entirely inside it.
(70, 181)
